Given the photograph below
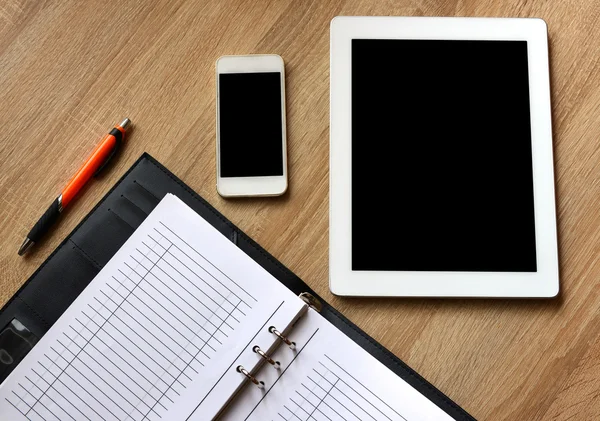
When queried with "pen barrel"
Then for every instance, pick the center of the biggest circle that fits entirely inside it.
(45, 222)
(89, 168)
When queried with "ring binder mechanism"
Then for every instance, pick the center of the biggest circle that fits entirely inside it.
(312, 302)
(275, 364)
(285, 340)
(269, 348)
(258, 383)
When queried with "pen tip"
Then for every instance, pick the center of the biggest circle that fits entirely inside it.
(27, 244)
(125, 123)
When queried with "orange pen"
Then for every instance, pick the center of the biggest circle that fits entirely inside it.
(94, 164)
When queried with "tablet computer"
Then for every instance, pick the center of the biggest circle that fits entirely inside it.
(441, 166)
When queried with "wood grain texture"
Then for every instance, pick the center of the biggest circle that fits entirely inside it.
(71, 69)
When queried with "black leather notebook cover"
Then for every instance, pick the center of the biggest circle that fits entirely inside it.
(69, 269)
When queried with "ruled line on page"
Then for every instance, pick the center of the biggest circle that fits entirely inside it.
(138, 343)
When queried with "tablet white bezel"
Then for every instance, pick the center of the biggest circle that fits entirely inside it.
(344, 281)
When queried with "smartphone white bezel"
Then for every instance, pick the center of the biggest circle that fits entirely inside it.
(252, 186)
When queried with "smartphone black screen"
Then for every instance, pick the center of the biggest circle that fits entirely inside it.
(250, 124)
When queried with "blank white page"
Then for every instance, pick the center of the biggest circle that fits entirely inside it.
(330, 378)
(163, 323)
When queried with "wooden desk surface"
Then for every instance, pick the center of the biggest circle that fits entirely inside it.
(69, 70)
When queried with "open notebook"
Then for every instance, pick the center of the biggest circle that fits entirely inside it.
(180, 324)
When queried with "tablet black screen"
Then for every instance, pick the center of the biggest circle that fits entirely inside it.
(441, 156)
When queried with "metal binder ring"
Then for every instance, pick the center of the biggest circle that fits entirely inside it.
(277, 333)
(259, 384)
(270, 360)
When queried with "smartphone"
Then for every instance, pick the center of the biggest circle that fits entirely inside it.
(251, 133)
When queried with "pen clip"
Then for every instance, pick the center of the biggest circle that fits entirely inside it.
(118, 141)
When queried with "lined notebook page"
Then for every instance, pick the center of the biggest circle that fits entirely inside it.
(330, 378)
(164, 323)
